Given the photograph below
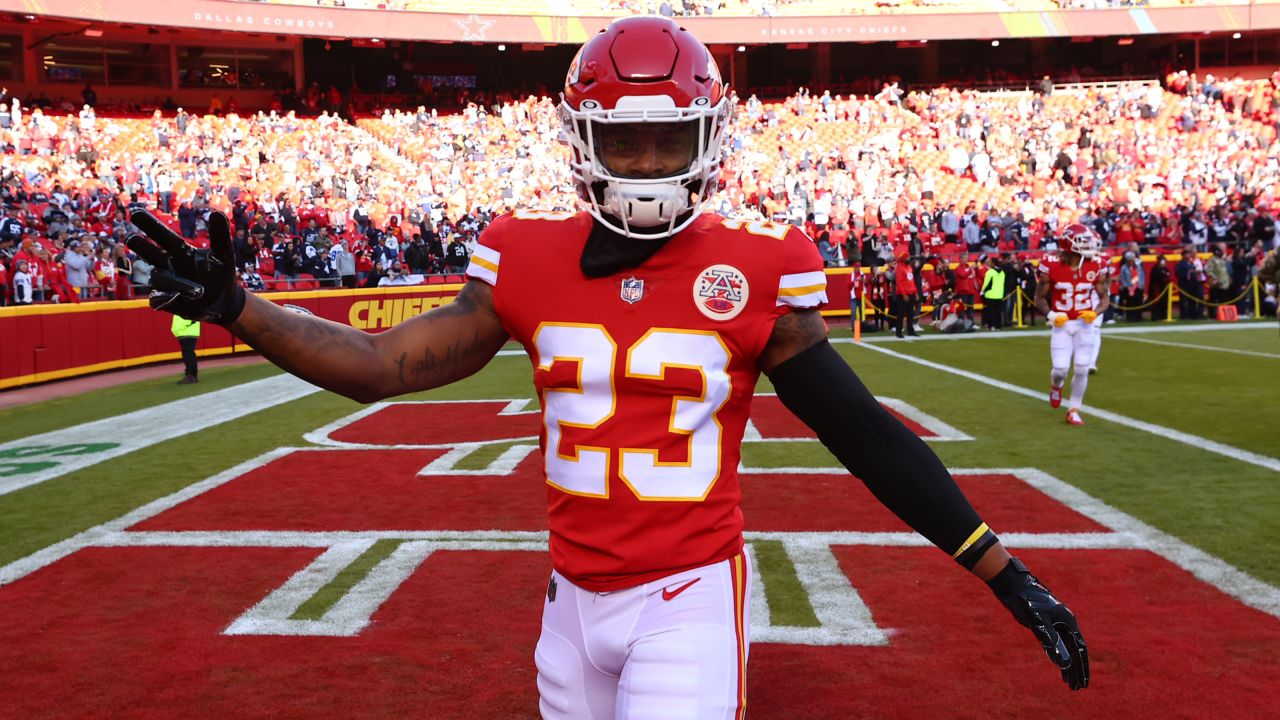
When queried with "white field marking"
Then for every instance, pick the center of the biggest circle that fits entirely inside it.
(445, 539)
(1193, 346)
(759, 603)
(1195, 441)
(1205, 567)
(941, 430)
(321, 436)
(825, 592)
(504, 464)
(353, 611)
(1106, 330)
(844, 618)
(273, 613)
(144, 428)
(41, 558)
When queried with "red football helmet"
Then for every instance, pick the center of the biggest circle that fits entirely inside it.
(1080, 239)
(645, 113)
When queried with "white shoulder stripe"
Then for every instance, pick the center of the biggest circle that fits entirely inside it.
(808, 300)
(482, 273)
(817, 277)
(488, 253)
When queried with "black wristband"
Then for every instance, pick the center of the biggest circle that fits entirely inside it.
(972, 550)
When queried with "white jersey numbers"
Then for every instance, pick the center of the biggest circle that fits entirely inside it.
(591, 399)
(642, 471)
(588, 404)
(777, 231)
(1072, 296)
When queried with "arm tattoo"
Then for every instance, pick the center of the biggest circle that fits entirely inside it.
(434, 369)
(800, 329)
(280, 341)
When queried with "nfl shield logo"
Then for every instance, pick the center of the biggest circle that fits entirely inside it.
(632, 289)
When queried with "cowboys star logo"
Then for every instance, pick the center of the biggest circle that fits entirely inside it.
(473, 28)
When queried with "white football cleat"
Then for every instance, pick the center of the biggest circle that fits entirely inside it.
(1073, 417)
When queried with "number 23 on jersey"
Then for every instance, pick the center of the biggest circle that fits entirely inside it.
(593, 399)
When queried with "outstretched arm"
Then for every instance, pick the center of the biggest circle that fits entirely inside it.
(427, 351)
(904, 474)
(444, 345)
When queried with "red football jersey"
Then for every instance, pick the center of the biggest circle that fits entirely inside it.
(645, 378)
(1073, 288)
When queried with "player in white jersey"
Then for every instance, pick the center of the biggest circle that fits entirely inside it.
(1073, 291)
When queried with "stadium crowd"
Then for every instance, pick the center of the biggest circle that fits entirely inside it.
(943, 177)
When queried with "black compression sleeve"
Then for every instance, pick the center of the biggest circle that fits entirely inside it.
(897, 466)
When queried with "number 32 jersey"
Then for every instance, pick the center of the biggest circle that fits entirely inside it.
(645, 379)
(1073, 289)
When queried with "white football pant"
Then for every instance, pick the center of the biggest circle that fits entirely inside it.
(672, 649)
(1074, 341)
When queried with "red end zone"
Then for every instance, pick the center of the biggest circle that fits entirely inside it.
(336, 490)
(139, 632)
(136, 633)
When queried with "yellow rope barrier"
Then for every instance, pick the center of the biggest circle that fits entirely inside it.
(1145, 305)
(1237, 299)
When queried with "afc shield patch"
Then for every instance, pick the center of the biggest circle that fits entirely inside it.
(721, 292)
(632, 289)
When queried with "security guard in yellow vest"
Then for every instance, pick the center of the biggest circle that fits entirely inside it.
(188, 334)
(993, 294)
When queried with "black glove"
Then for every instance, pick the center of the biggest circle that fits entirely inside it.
(1034, 605)
(196, 284)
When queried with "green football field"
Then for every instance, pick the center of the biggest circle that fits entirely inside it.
(1180, 439)
(1212, 384)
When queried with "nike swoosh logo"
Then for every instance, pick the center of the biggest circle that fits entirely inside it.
(670, 594)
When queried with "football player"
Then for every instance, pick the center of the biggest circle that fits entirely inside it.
(1073, 291)
(647, 323)
(1104, 259)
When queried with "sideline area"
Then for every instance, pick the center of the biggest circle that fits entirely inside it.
(74, 386)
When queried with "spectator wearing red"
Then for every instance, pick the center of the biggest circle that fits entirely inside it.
(124, 273)
(905, 291)
(966, 287)
(60, 290)
(104, 271)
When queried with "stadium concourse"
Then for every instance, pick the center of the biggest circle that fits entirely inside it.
(401, 195)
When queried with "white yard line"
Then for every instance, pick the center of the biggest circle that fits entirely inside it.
(1153, 329)
(38, 458)
(1195, 441)
(1233, 351)
(843, 618)
(53, 553)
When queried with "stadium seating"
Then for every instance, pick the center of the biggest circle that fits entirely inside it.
(881, 159)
